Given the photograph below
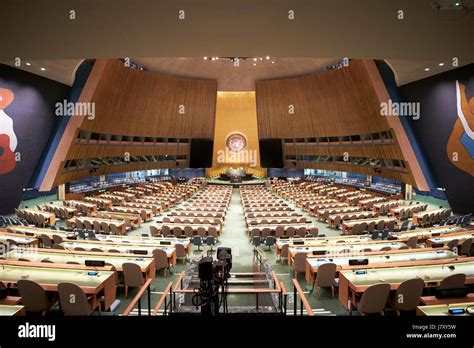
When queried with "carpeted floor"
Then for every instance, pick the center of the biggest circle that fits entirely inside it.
(234, 235)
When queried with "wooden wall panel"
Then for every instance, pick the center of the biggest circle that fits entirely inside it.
(340, 102)
(130, 102)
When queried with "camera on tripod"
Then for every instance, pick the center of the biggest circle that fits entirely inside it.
(213, 275)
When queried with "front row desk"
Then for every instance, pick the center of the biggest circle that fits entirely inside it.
(353, 282)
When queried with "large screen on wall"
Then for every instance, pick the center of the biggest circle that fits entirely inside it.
(271, 153)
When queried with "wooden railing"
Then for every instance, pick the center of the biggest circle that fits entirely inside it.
(137, 299)
(303, 301)
(164, 300)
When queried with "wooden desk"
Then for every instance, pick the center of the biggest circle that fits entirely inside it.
(10, 311)
(354, 249)
(423, 234)
(100, 202)
(352, 285)
(124, 248)
(193, 226)
(418, 217)
(442, 310)
(433, 301)
(119, 223)
(50, 218)
(91, 207)
(445, 239)
(147, 264)
(376, 260)
(348, 224)
(53, 207)
(10, 300)
(18, 239)
(49, 275)
(353, 216)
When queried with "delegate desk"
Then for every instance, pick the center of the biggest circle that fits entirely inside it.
(423, 234)
(49, 275)
(124, 248)
(36, 232)
(195, 227)
(132, 210)
(192, 214)
(462, 236)
(351, 216)
(53, 208)
(147, 264)
(10, 311)
(322, 241)
(90, 207)
(349, 224)
(7, 238)
(49, 218)
(345, 249)
(418, 217)
(137, 240)
(129, 217)
(443, 310)
(343, 210)
(275, 220)
(376, 259)
(296, 225)
(377, 207)
(119, 223)
(352, 285)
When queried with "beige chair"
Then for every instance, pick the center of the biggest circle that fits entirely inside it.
(465, 248)
(284, 251)
(46, 241)
(105, 227)
(387, 248)
(33, 296)
(299, 263)
(374, 299)
(212, 231)
(356, 229)
(79, 249)
(279, 231)
(313, 231)
(301, 231)
(57, 239)
(411, 242)
(290, 231)
(177, 231)
(371, 227)
(201, 231)
(81, 306)
(391, 225)
(326, 277)
(88, 225)
(181, 252)
(452, 282)
(188, 231)
(453, 244)
(132, 276)
(58, 247)
(265, 232)
(96, 225)
(113, 251)
(161, 260)
(407, 296)
(165, 230)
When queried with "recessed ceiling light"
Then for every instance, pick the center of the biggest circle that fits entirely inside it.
(273, 62)
(213, 58)
(43, 69)
(205, 58)
(255, 59)
(427, 69)
(254, 64)
(441, 64)
(267, 57)
(261, 58)
(28, 63)
(217, 58)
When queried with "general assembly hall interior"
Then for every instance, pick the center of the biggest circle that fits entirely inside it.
(220, 170)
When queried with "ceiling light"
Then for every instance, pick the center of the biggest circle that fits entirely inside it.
(441, 64)
(254, 64)
(28, 63)
(267, 57)
(43, 69)
(273, 62)
(261, 58)
(255, 59)
(427, 69)
(205, 58)
(213, 58)
(217, 58)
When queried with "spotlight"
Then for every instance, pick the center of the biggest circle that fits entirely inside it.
(441, 64)
(205, 58)
(427, 69)
(267, 57)
(28, 63)
(42, 69)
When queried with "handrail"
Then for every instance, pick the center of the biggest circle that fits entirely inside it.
(283, 298)
(303, 301)
(163, 298)
(178, 282)
(137, 298)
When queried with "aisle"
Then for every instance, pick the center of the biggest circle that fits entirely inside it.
(234, 235)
